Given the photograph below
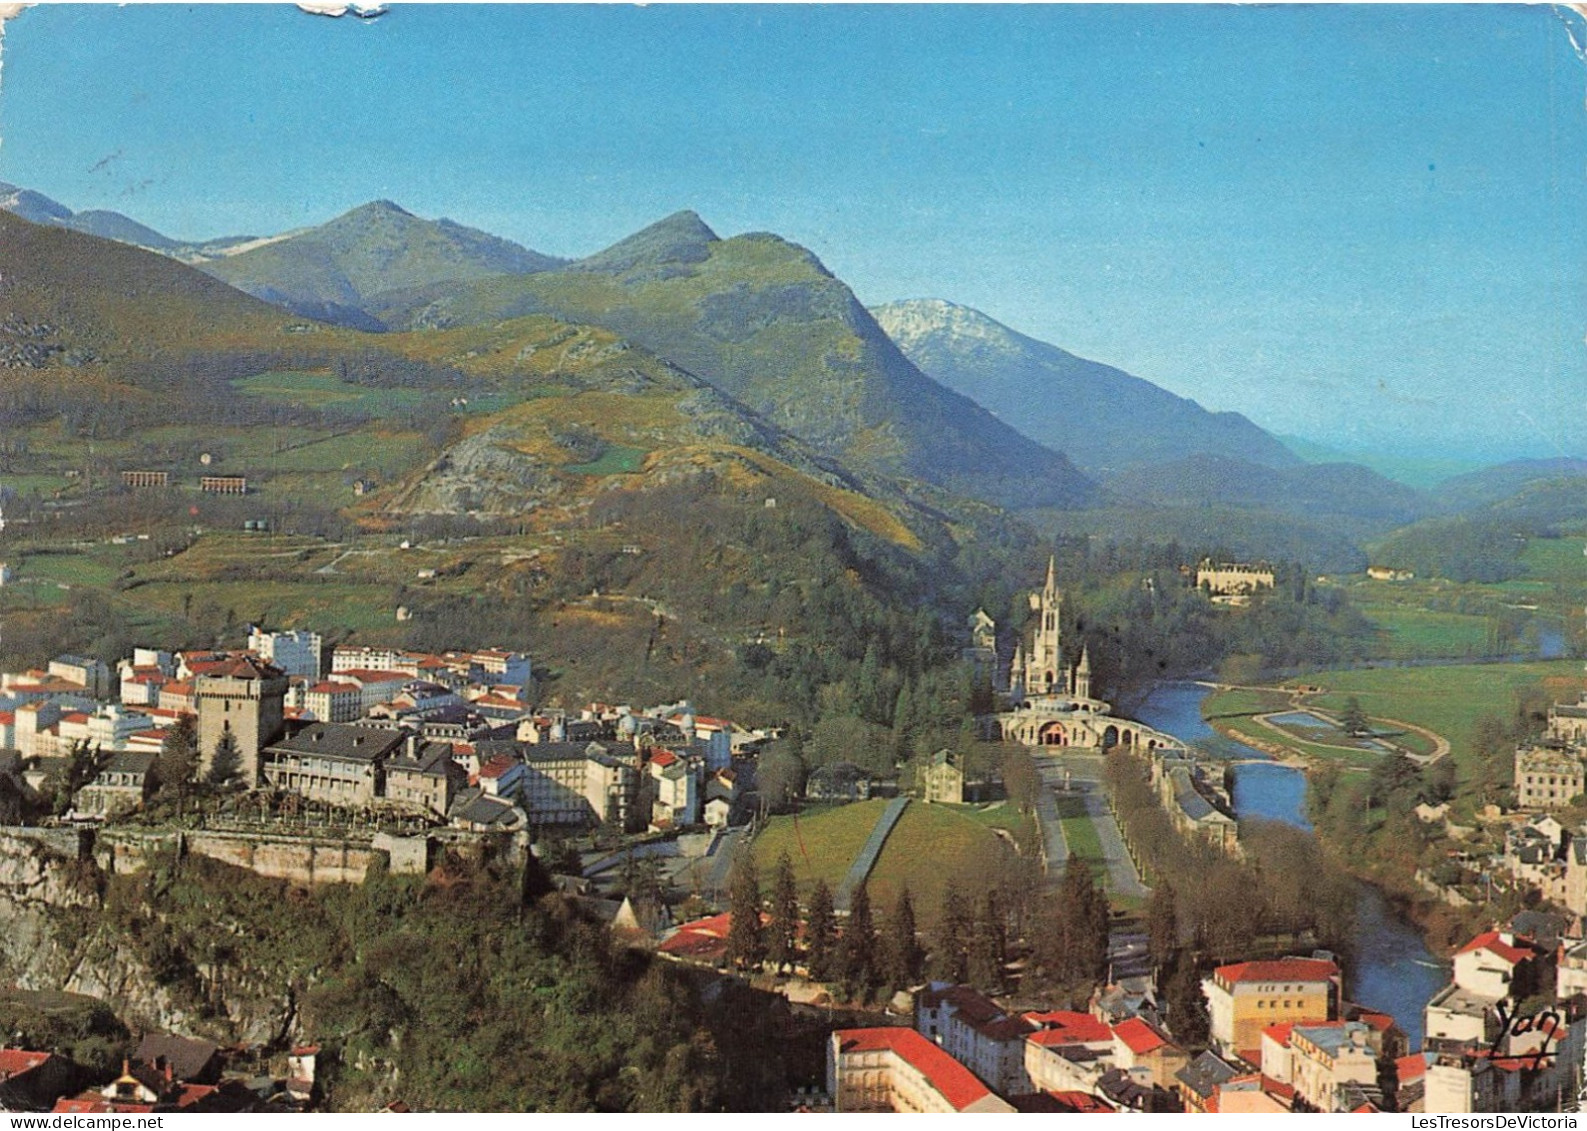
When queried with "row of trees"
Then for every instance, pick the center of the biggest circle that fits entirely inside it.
(1284, 885)
(972, 943)
(861, 957)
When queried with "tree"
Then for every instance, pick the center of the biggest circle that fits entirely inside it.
(821, 934)
(1080, 930)
(227, 760)
(1162, 923)
(857, 964)
(179, 756)
(746, 941)
(780, 775)
(902, 957)
(1187, 1008)
(1353, 720)
(988, 945)
(1020, 779)
(1438, 780)
(950, 956)
(784, 934)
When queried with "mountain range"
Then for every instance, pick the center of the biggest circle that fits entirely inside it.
(1101, 417)
(764, 321)
(37, 208)
(339, 271)
(923, 399)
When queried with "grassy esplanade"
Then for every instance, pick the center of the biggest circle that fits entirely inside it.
(930, 845)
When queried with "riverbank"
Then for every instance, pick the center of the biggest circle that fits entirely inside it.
(1392, 968)
(1441, 926)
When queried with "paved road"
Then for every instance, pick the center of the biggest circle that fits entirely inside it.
(1084, 772)
(1055, 849)
(872, 848)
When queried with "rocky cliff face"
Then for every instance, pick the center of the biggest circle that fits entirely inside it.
(55, 934)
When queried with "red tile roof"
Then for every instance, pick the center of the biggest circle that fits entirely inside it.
(1280, 1032)
(7, 718)
(1081, 1102)
(193, 1093)
(956, 1083)
(1138, 1036)
(1381, 1022)
(663, 758)
(14, 1062)
(497, 766)
(332, 687)
(367, 675)
(1275, 1088)
(703, 938)
(1410, 1068)
(1279, 970)
(1068, 1027)
(92, 1103)
(1491, 942)
(75, 717)
(238, 667)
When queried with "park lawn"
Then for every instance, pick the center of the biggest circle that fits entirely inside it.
(1248, 728)
(821, 845)
(1226, 703)
(930, 845)
(1447, 700)
(1001, 815)
(1080, 835)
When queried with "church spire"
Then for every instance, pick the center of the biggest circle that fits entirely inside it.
(1052, 573)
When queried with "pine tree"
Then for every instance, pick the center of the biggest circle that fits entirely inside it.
(988, 945)
(1162, 923)
(821, 934)
(179, 756)
(746, 941)
(903, 957)
(784, 935)
(227, 760)
(904, 725)
(1081, 931)
(857, 964)
(949, 958)
(1353, 719)
(1187, 1007)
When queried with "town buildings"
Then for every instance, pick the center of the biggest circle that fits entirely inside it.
(1244, 998)
(895, 1069)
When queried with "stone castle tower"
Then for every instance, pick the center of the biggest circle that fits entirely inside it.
(246, 697)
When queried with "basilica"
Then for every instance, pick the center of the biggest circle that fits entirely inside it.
(1050, 701)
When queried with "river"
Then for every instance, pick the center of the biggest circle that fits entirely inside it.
(1393, 971)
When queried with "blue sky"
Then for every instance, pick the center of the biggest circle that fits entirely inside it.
(1365, 225)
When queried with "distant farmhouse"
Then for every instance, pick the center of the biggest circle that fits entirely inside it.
(1386, 573)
